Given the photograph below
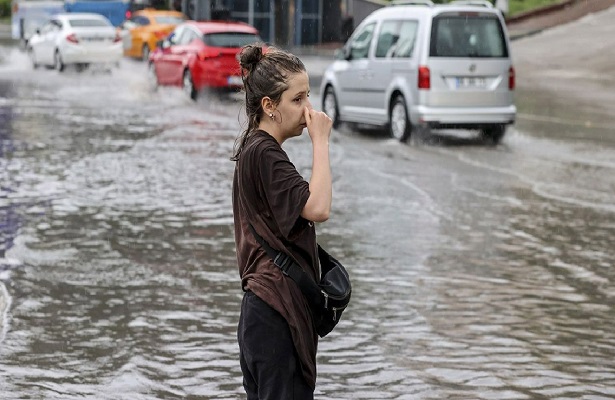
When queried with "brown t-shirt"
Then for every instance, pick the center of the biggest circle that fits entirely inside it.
(269, 193)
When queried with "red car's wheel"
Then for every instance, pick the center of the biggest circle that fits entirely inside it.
(188, 85)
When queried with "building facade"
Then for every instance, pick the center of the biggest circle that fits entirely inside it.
(280, 22)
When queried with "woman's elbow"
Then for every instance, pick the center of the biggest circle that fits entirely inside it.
(321, 216)
(316, 214)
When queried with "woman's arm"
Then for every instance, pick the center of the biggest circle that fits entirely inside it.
(318, 206)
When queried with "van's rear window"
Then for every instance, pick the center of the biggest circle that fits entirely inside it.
(467, 36)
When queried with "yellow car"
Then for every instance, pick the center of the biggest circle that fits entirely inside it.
(146, 27)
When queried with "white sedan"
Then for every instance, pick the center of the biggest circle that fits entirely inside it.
(75, 38)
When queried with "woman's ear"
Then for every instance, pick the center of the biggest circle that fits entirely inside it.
(267, 105)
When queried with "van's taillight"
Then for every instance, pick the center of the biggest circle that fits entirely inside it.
(424, 78)
(511, 78)
(72, 38)
(128, 14)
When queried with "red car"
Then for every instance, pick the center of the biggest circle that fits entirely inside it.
(199, 55)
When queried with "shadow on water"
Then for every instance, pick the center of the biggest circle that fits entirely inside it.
(423, 136)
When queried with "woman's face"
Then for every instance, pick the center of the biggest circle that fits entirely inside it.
(289, 112)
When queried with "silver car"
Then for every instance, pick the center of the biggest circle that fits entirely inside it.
(425, 65)
(75, 38)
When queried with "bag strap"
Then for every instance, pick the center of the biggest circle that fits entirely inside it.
(314, 294)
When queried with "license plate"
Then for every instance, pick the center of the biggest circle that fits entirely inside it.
(235, 81)
(469, 82)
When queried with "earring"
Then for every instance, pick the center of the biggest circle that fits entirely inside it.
(271, 115)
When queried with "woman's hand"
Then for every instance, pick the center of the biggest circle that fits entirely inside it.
(318, 124)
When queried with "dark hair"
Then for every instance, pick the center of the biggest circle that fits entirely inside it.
(265, 73)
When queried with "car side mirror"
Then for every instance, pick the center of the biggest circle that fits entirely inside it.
(344, 53)
(164, 44)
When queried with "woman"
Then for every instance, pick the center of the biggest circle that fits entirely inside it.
(277, 340)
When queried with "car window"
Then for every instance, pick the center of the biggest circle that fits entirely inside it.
(50, 26)
(187, 36)
(230, 39)
(168, 19)
(467, 36)
(87, 22)
(396, 39)
(172, 38)
(141, 21)
(359, 45)
(407, 38)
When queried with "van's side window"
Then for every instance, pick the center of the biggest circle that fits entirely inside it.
(407, 37)
(396, 39)
(359, 46)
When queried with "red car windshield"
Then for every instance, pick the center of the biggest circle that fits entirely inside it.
(230, 39)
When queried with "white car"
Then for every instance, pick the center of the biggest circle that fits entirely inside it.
(75, 38)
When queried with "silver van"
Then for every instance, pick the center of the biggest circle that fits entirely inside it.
(425, 65)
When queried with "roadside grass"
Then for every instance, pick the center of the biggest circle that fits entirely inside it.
(518, 6)
(521, 6)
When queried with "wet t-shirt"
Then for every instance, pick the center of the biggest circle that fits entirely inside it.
(269, 193)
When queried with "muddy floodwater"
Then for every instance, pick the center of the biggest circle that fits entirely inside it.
(480, 272)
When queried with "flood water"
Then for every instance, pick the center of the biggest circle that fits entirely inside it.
(479, 272)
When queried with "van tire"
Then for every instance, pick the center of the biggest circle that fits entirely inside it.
(494, 133)
(399, 123)
(330, 106)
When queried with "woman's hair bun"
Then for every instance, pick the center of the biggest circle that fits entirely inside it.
(250, 56)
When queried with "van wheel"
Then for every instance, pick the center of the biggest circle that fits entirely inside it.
(58, 64)
(188, 85)
(494, 133)
(399, 123)
(329, 106)
(145, 52)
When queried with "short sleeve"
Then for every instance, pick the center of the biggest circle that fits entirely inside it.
(285, 189)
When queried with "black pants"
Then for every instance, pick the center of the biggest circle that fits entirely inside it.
(269, 363)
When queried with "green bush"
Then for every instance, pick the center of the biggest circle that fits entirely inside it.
(5, 9)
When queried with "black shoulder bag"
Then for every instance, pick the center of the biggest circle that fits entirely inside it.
(328, 298)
